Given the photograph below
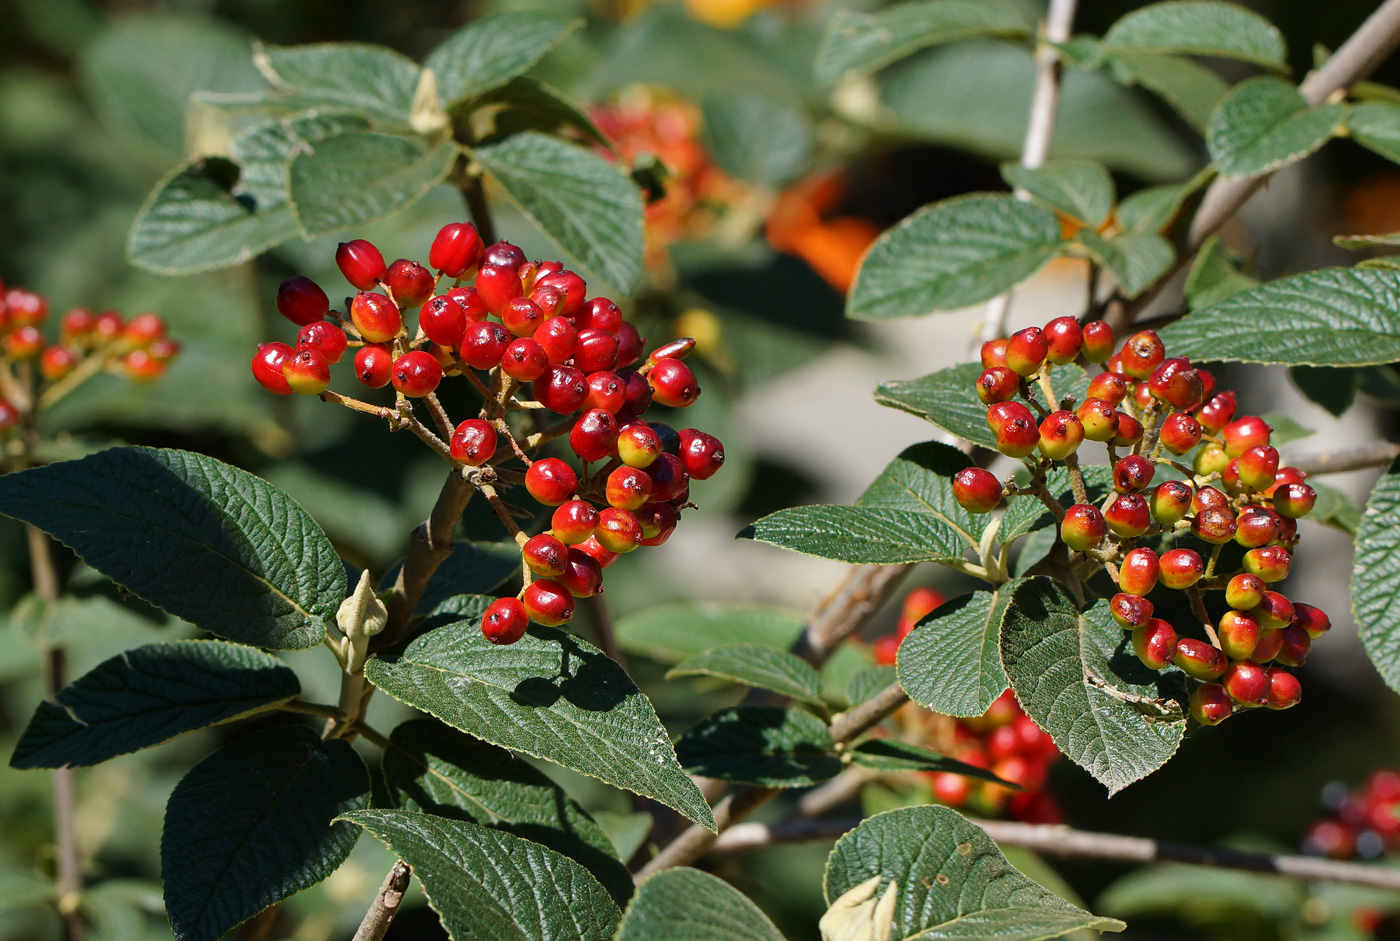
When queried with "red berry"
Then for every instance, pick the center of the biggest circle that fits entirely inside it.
(76, 324)
(1155, 644)
(1139, 571)
(1245, 433)
(604, 557)
(473, 307)
(638, 391)
(1285, 691)
(484, 343)
(1239, 633)
(374, 366)
(1274, 610)
(307, 372)
(442, 320)
(997, 384)
(1065, 337)
(498, 286)
(638, 445)
(1181, 568)
(107, 326)
(1217, 412)
(473, 442)
(583, 576)
(9, 417)
(1129, 431)
(24, 343)
(376, 317)
(573, 521)
(1060, 435)
(1129, 610)
(1180, 433)
(1098, 341)
(324, 337)
(267, 367)
(456, 249)
(1026, 351)
(702, 454)
(1132, 473)
(1170, 501)
(1108, 386)
(141, 366)
(1018, 437)
(629, 345)
(1270, 643)
(1258, 464)
(1293, 652)
(1271, 563)
(993, 353)
(409, 282)
(1211, 704)
(548, 300)
(1311, 619)
(522, 316)
(416, 374)
(1099, 419)
(143, 329)
(1207, 498)
(546, 555)
(302, 301)
(672, 383)
(658, 521)
(1215, 525)
(1244, 591)
(1247, 683)
(618, 530)
(669, 480)
(561, 389)
(571, 285)
(551, 481)
(599, 313)
(504, 621)
(1177, 384)
(976, 490)
(597, 350)
(593, 435)
(558, 337)
(56, 362)
(1128, 515)
(1142, 353)
(1082, 527)
(548, 603)
(628, 488)
(1199, 659)
(503, 253)
(605, 391)
(1256, 526)
(361, 263)
(1002, 412)
(524, 360)
(1294, 501)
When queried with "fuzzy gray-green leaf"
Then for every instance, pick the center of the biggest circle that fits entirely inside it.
(492, 50)
(1199, 27)
(1081, 189)
(858, 43)
(358, 177)
(951, 662)
(1375, 568)
(689, 905)
(1264, 124)
(759, 666)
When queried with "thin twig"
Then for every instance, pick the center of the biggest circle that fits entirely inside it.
(386, 904)
(1379, 454)
(440, 417)
(841, 613)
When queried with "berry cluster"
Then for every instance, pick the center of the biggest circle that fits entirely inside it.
(1003, 740)
(1364, 822)
(544, 347)
(1233, 493)
(88, 343)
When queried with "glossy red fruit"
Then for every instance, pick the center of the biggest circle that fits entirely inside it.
(524, 360)
(503, 253)
(498, 286)
(1060, 435)
(1129, 431)
(24, 342)
(605, 391)
(1247, 683)
(107, 326)
(56, 362)
(668, 478)
(1256, 526)
(522, 316)
(976, 490)
(701, 454)
(551, 481)
(1142, 397)
(629, 345)
(1294, 501)
(1274, 610)
(25, 308)
(1271, 563)
(416, 373)
(484, 343)
(546, 555)
(1129, 610)
(1098, 341)
(1270, 643)
(1244, 591)
(1181, 568)
(1155, 644)
(638, 445)
(1099, 420)
(618, 530)
(1127, 516)
(1296, 644)
(1211, 704)
(1199, 659)
(672, 383)
(1017, 436)
(1132, 474)
(302, 301)
(76, 325)
(1214, 525)
(376, 317)
(583, 576)
(1026, 351)
(550, 302)
(571, 286)
(1180, 433)
(374, 366)
(597, 350)
(599, 313)
(473, 442)
(604, 557)
(1142, 353)
(1065, 338)
(456, 249)
(504, 621)
(1002, 412)
(1218, 412)
(409, 283)
(442, 320)
(324, 337)
(1245, 433)
(1257, 467)
(548, 603)
(1109, 387)
(1285, 691)
(573, 521)
(993, 353)
(467, 298)
(307, 372)
(558, 338)
(1207, 498)
(361, 263)
(1138, 573)
(997, 384)
(1311, 619)
(638, 391)
(141, 366)
(561, 389)
(1177, 384)
(267, 367)
(627, 488)
(1170, 501)
(1082, 527)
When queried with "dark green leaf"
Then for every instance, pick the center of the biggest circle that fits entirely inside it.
(364, 79)
(1285, 429)
(473, 568)
(1199, 896)
(1264, 124)
(1076, 675)
(254, 567)
(251, 825)
(491, 884)
(358, 177)
(440, 771)
(671, 633)
(1134, 259)
(1034, 550)
(531, 105)
(1335, 509)
(951, 662)
(890, 754)
(587, 206)
(150, 695)
(858, 43)
(953, 254)
(1199, 27)
(22, 889)
(868, 682)
(1214, 276)
(1192, 89)
(1081, 189)
(1328, 317)
(1359, 242)
(951, 880)
(1333, 389)
(489, 52)
(549, 695)
(1375, 565)
(947, 398)
(689, 905)
(1155, 208)
(1376, 126)
(758, 666)
(764, 745)
(757, 137)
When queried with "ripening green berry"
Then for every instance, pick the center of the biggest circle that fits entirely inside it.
(1270, 563)
(1138, 573)
(1083, 527)
(1244, 591)
(1170, 501)
(1181, 568)
(1060, 435)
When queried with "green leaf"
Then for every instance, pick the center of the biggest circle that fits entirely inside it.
(585, 204)
(531, 105)
(1076, 675)
(438, 770)
(860, 43)
(1199, 896)
(22, 889)
(1376, 126)
(670, 633)
(1374, 601)
(1214, 276)
(758, 666)
(1154, 209)
(370, 80)
(1192, 89)
(757, 137)
(1081, 189)
(1285, 429)
(1264, 124)
(868, 682)
(891, 754)
(199, 217)
(953, 254)
(1359, 242)
(1335, 509)
(491, 884)
(489, 52)
(688, 904)
(1199, 27)
(1037, 546)
(1334, 390)
(947, 398)
(252, 824)
(1328, 317)
(952, 881)
(951, 662)
(1134, 259)
(550, 695)
(150, 695)
(359, 177)
(908, 514)
(769, 746)
(472, 568)
(254, 567)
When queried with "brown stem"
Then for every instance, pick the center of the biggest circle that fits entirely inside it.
(842, 612)
(386, 904)
(440, 417)
(1379, 454)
